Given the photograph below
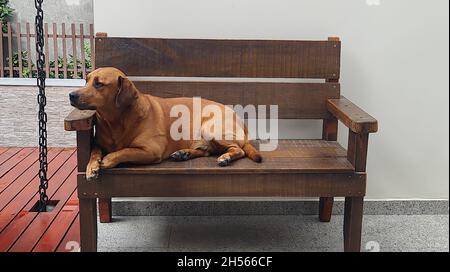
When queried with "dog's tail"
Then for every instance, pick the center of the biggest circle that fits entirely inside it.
(251, 152)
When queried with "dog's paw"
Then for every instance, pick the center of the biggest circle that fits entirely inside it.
(180, 155)
(224, 160)
(93, 171)
(108, 162)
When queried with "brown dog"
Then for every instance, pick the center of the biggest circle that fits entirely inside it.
(135, 128)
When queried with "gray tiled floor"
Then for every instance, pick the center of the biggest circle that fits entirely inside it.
(270, 233)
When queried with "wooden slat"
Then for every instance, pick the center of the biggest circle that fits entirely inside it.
(55, 49)
(46, 50)
(83, 54)
(15, 181)
(74, 50)
(92, 45)
(17, 169)
(3, 149)
(244, 166)
(352, 116)
(64, 48)
(30, 237)
(220, 58)
(60, 228)
(20, 221)
(291, 156)
(23, 201)
(294, 100)
(357, 150)
(30, 66)
(229, 185)
(10, 51)
(8, 154)
(72, 236)
(17, 158)
(19, 50)
(2, 71)
(79, 120)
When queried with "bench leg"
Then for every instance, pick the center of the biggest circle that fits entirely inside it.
(353, 216)
(88, 224)
(105, 210)
(325, 208)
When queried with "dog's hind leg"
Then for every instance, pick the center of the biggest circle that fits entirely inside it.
(233, 153)
(230, 151)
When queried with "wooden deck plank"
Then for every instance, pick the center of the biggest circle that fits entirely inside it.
(71, 241)
(24, 231)
(56, 232)
(3, 149)
(14, 160)
(21, 221)
(7, 193)
(8, 154)
(18, 170)
(42, 221)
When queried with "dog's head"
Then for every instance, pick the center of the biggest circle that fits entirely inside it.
(106, 88)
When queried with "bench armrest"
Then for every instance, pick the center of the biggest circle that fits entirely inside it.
(352, 116)
(79, 120)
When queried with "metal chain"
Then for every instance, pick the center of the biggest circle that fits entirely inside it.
(42, 101)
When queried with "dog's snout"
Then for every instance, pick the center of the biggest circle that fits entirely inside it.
(74, 96)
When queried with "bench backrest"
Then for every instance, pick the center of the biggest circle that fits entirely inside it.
(232, 59)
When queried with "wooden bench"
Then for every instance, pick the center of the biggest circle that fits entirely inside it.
(298, 168)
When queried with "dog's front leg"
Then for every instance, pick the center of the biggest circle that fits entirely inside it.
(93, 167)
(131, 155)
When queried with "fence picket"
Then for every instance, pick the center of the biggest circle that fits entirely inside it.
(10, 50)
(83, 54)
(91, 36)
(47, 62)
(19, 49)
(28, 42)
(64, 45)
(2, 71)
(55, 49)
(74, 58)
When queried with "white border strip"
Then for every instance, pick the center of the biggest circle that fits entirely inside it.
(49, 82)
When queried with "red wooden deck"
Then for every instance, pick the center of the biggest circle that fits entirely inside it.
(25, 231)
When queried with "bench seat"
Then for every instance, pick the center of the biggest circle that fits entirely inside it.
(291, 156)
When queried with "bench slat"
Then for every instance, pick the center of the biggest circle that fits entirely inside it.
(294, 100)
(291, 156)
(231, 185)
(220, 58)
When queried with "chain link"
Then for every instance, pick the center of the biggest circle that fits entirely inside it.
(42, 101)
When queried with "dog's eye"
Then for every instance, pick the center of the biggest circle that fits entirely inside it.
(98, 85)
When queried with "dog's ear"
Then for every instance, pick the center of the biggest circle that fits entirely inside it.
(126, 93)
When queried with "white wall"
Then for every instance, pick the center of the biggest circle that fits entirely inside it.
(395, 66)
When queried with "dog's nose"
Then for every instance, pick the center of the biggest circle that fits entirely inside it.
(74, 96)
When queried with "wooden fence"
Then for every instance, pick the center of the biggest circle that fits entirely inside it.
(69, 52)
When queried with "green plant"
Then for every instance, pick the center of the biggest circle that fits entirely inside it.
(60, 62)
(15, 62)
(71, 64)
(5, 13)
